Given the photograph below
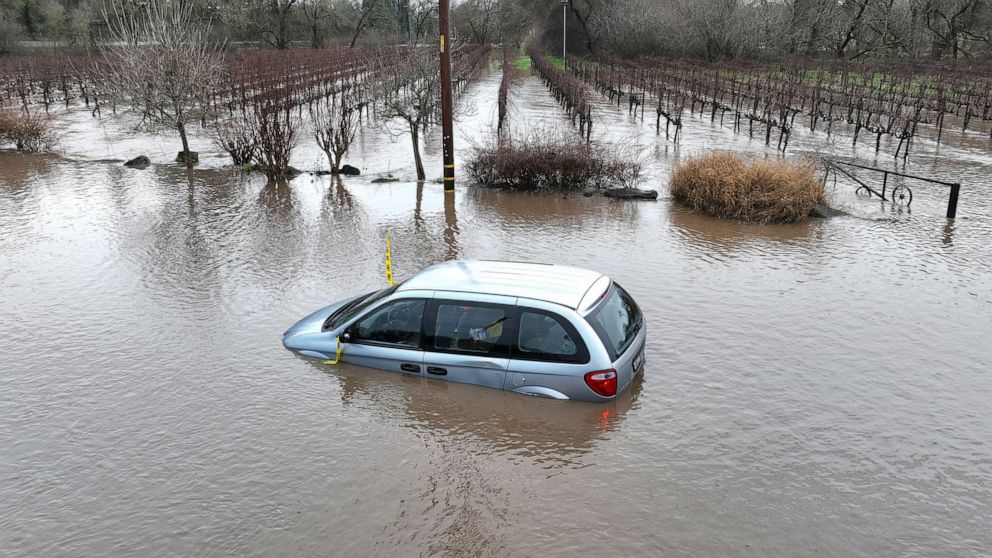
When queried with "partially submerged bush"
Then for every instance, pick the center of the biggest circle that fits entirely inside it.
(276, 126)
(557, 161)
(238, 137)
(762, 191)
(26, 132)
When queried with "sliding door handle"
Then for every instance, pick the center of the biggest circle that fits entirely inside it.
(437, 371)
(410, 368)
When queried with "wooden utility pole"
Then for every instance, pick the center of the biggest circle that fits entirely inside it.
(447, 131)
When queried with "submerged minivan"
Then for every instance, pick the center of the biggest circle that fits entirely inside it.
(537, 329)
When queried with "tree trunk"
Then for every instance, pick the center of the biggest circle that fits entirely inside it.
(415, 136)
(186, 155)
(282, 42)
(316, 41)
(331, 161)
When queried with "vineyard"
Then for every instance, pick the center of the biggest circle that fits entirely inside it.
(890, 99)
(295, 76)
(255, 110)
(262, 95)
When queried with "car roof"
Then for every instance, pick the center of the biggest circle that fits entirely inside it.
(559, 284)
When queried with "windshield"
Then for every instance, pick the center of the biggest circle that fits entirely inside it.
(617, 320)
(356, 307)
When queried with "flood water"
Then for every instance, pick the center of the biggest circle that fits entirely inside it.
(820, 388)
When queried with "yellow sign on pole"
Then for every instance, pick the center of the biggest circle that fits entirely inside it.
(389, 258)
(389, 279)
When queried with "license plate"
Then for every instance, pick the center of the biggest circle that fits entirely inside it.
(638, 361)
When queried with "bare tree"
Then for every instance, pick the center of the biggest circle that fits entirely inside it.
(952, 22)
(423, 18)
(477, 20)
(855, 12)
(161, 65)
(584, 11)
(316, 13)
(335, 121)
(636, 27)
(416, 97)
(279, 13)
(365, 10)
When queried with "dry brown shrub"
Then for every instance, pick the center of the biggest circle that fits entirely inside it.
(761, 191)
(26, 132)
(553, 160)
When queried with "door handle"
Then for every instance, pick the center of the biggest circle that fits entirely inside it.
(409, 368)
(437, 371)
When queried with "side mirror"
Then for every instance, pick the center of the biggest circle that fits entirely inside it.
(346, 337)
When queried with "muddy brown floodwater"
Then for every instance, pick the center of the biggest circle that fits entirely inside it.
(820, 388)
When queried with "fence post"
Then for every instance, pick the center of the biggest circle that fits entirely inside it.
(952, 202)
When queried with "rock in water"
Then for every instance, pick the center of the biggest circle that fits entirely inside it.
(386, 178)
(138, 162)
(824, 212)
(631, 194)
(194, 157)
(349, 170)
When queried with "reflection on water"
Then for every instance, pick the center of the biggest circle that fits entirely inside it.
(552, 433)
(450, 227)
(719, 236)
(807, 388)
(465, 427)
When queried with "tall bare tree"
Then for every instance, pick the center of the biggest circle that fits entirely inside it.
(162, 66)
(477, 20)
(953, 23)
(365, 9)
(423, 18)
(416, 98)
(280, 14)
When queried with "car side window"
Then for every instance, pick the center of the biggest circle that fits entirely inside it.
(542, 335)
(395, 323)
(470, 328)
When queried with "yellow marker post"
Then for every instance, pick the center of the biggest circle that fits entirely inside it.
(389, 258)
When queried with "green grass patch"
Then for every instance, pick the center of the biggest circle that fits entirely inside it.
(522, 63)
(558, 62)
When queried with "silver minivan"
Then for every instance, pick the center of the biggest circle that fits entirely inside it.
(547, 330)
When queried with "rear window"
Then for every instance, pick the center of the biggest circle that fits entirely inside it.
(617, 320)
(547, 337)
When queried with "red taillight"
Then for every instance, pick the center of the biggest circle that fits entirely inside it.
(603, 382)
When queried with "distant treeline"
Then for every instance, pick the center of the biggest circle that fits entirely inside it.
(80, 24)
(851, 29)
